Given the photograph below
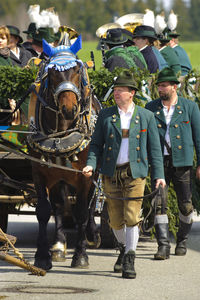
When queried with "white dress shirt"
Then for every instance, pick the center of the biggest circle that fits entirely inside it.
(125, 118)
(168, 116)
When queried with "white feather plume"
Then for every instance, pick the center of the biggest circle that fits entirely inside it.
(45, 18)
(160, 23)
(149, 18)
(54, 21)
(34, 12)
(172, 21)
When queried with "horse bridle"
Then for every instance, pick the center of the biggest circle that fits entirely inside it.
(67, 86)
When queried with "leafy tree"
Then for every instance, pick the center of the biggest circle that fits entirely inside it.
(140, 6)
(118, 7)
(184, 24)
(194, 18)
(151, 4)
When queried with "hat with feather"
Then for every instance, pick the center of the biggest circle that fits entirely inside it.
(161, 28)
(147, 28)
(45, 18)
(172, 24)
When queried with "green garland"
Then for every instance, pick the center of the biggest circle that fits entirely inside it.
(14, 82)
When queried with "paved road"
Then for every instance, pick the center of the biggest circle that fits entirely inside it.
(175, 279)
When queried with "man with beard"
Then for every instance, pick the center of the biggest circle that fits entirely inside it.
(178, 122)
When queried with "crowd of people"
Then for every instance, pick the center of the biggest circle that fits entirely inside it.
(128, 138)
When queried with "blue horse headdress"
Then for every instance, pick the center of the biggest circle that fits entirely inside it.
(62, 57)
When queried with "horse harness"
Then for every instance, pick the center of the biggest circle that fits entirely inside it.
(77, 138)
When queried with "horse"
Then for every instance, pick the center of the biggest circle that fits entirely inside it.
(62, 115)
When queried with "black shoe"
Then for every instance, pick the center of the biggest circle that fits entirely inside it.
(182, 236)
(181, 249)
(162, 236)
(118, 264)
(162, 253)
(128, 270)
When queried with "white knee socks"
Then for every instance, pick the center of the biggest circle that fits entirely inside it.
(128, 236)
(132, 237)
(120, 235)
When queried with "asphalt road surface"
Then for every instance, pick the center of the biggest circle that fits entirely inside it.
(177, 278)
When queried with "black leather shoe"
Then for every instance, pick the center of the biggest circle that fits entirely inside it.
(118, 264)
(162, 253)
(181, 249)
(128, 270)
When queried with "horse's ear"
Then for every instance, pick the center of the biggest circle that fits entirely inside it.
(47, 48)
(77, 45)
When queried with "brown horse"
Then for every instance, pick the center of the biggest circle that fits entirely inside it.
(63, 114)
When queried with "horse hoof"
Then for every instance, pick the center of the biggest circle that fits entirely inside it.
(58, 255)
(96, 243)
(58, 251)
(44, 264)
(80, 261)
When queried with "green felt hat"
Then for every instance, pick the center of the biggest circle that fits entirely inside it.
(165, 37)
(145, 31)
(167, 74)
(115, 36)
(15, 31)
(31, 30)
(126, 78)
(46, 33)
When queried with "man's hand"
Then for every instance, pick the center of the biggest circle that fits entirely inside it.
(87, 171)
(160, 182)
(198, 173)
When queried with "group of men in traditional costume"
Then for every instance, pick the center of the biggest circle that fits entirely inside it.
(128, 138)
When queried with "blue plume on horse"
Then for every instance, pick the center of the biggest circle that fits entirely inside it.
(51, 51)
(77, 45)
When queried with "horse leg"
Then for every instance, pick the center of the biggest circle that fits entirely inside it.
(92, 232)
(43, 212)
(80, 211)
(58, 197)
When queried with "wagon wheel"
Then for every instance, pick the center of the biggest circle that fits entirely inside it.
(107, 237)
(4, 216)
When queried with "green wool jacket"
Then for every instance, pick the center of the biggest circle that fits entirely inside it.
(144, 143)
(184, 130)
(171, 58)
(131, 55)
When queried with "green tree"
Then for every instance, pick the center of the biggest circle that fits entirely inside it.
(87, 18)
(151, 4)
(118, 7)
(140, 6)
(184, 23)
(194, 11)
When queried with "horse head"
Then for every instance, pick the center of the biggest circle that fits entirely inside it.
(64, 111)
(64, 92)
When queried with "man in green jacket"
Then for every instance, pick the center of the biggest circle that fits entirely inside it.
(124, 142)
(168, 53)
(119, 55)
(178, 122)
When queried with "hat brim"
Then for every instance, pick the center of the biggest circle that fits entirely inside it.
(115, 43)
(20, 38)
(174, 35)
(125, 84)
(168, 79)
(145, 36)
